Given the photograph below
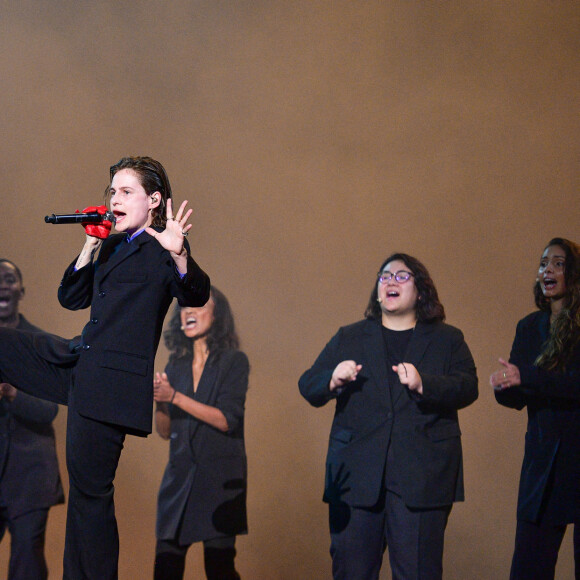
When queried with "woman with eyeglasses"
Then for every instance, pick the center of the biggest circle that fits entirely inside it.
(394, 462)
(543, 374)
(200, 410)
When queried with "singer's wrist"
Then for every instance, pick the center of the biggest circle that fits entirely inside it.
(88, 252)
(92, 242)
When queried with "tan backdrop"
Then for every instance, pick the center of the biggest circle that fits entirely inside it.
(312, 138)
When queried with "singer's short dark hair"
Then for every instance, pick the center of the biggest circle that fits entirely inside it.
(428, 307)
(18, 272)
(153, 177)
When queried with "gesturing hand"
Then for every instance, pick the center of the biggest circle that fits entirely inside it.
(163, 392)
(409, 376)
(508, 376)
(344, 373)
(171, 238)
(7, 391)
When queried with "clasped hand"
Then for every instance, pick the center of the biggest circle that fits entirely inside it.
(162, 389)
(506, 377)
(344, 373)
(409, 376)
(7, 391)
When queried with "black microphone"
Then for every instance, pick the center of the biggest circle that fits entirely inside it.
(76, 218)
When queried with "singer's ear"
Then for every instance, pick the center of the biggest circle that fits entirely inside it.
(155, 200)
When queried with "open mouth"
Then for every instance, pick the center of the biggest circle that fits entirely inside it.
(392, 294)
(5, 301)
(190, 322)
(549, 283)
(119, 215)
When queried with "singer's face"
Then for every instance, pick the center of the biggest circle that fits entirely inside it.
(11, 291)
(552, 273)
(129, 202)
(196, 322)
(397, 297)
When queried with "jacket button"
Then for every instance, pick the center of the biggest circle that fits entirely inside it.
(101, 294)
(86, 346)
(94, 320)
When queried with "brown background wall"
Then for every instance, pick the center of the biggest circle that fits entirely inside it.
(312, 138)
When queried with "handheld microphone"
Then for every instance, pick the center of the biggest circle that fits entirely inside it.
(77, 218)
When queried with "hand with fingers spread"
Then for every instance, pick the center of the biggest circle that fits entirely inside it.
(508, 376)
(173, 236)
(176, 229)
(344, 373)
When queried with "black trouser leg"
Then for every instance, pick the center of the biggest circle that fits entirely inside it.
(169, 560)
(219, 555)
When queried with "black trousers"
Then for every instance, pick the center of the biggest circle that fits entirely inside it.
(218, 555)
(360, 536)
(27, 533)
(536, 550)
(93, 450)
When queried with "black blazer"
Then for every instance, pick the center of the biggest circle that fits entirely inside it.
(371, 414)
(129, 289)
(205, 481)
(550, 477)
(29, 475)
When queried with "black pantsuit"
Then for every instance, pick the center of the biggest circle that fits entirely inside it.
(106, 378)
(203, 492)
(549, 491)
(29, 475)
(384, 437)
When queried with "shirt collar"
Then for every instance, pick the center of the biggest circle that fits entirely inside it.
(131, 238)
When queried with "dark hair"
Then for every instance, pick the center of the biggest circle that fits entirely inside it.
(565, 329)
(18, 272)
(152, 177)
(427, 307)
(221, 335)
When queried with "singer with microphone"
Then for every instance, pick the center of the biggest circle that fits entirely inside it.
(394, 461)
(128, 280)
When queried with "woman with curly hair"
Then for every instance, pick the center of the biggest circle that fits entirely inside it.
(394, 464)
(200, 409)
(543, 374)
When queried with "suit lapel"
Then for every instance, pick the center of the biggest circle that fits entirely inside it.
(204, 393)
(418, 343)
(116, 254)
(207, 382)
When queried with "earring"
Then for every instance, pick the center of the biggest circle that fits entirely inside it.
(379, 300)
(182, 328)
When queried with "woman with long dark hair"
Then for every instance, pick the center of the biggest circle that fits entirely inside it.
(394, 462)
(200, 409)
(543, 374)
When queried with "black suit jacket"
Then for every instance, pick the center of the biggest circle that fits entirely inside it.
(371, 414)
(550, 477)
(204, 485)
(129, 289)
(29, 475)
